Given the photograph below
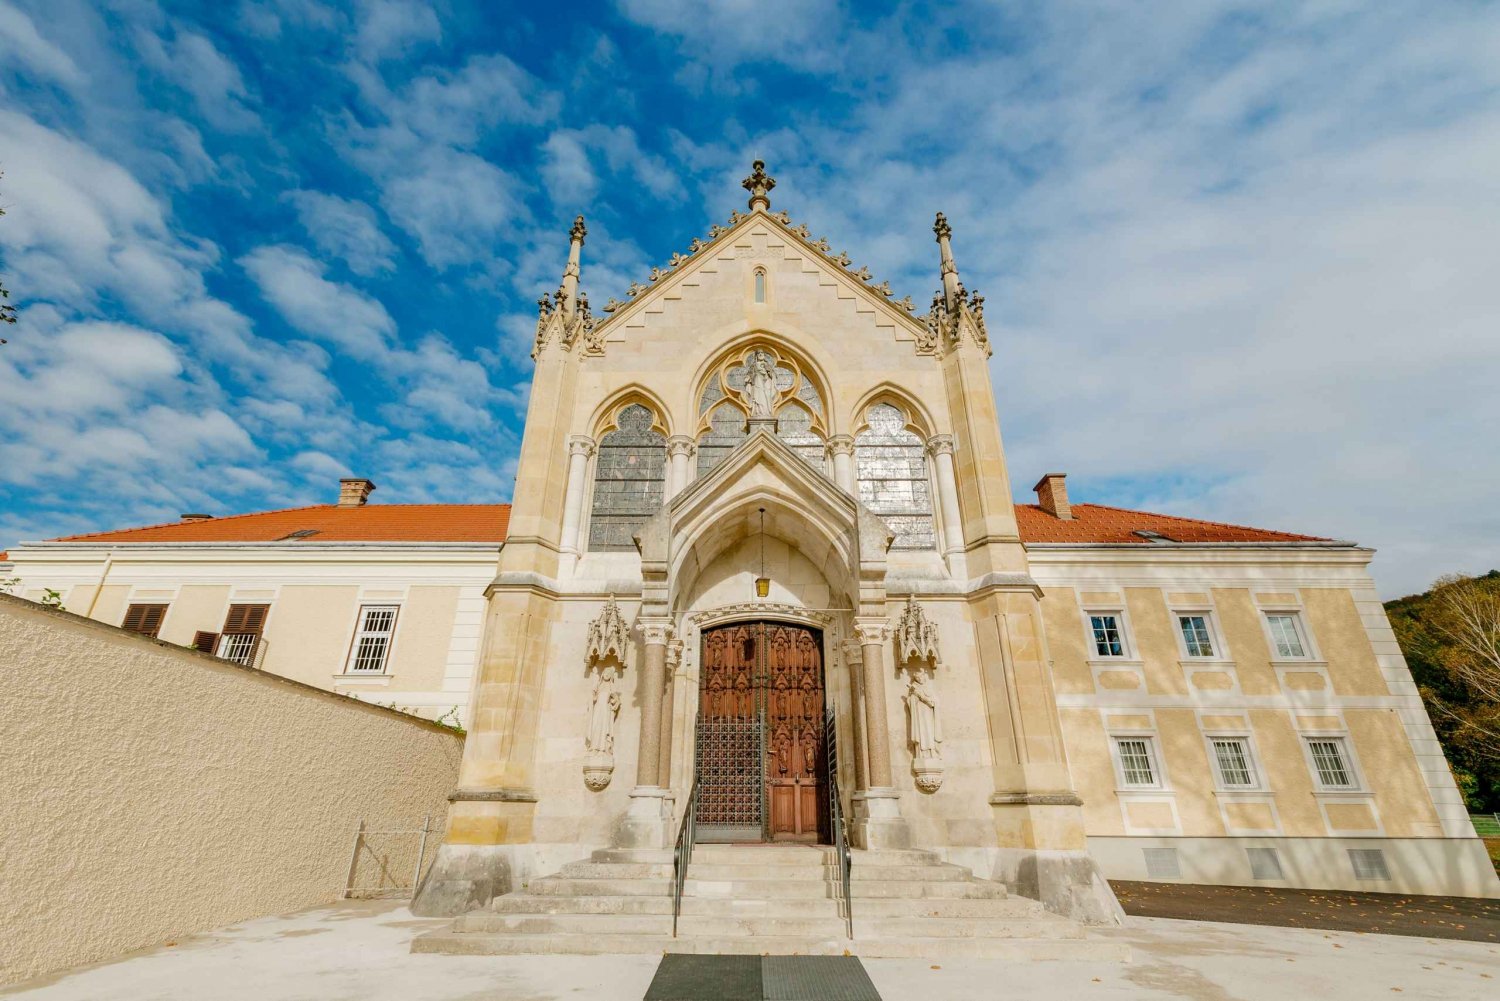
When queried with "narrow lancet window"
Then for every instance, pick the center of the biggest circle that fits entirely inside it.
(760, 284)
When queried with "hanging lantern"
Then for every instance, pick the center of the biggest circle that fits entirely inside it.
(762, 583)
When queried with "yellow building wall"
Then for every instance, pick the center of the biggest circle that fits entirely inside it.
(308, 632)
(196, 607)
(1341, 637)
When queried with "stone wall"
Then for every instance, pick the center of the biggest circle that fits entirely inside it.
(150, 791)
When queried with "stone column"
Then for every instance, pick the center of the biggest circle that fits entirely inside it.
(856, 713)
(940, 447)
(877, 810)
(841, 450)
(664, 768)
(648, 820)
(680, 450)
(580, 449)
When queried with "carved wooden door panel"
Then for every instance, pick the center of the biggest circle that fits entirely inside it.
(794, 731)
(760, 734)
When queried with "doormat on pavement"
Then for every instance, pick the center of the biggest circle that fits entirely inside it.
(761, 978)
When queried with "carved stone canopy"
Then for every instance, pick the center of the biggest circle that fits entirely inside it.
(609, 635)
(916, 635)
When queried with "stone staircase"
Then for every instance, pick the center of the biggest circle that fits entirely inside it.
(768, 899)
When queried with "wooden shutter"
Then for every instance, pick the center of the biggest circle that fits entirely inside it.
(144, 619)
(205, 641)
(246, 619)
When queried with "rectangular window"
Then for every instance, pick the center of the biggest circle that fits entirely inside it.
(1286, 636)
(1331, 762)
(372, 640)
(240, 638)
(1137, 764)
(1369, 863)
(144, 619)
(1232, 757)
(1264, 863)
(1195, 635)
(1108, 639)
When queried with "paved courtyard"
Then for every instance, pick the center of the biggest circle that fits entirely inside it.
(357, 951)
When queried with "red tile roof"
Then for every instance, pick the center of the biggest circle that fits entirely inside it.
(1099, 524)
(369, 523)
(488, 522)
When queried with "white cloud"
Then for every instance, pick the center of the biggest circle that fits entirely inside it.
(395, 28)
(723, 34)
(330, 311)
(568, 171)
(345, 229)
(21, 42)
(455, 204)
(193, 63)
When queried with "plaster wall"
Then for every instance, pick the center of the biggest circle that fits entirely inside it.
(152, 792)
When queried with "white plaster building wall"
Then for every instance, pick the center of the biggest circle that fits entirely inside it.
(315, 592)
(152, 792)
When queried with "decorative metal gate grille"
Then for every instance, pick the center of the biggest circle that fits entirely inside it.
(731, 790)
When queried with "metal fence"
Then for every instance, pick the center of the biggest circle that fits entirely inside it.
(389, 860)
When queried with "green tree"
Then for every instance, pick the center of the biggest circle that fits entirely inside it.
(1451, 638)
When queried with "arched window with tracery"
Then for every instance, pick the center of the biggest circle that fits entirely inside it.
(630, 477)
(723, 409)
(892, 467)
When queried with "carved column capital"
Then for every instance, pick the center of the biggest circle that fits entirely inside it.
(940, 444)
(872, 631)
(581, 445)
(853, 651)
(841, 444)
(681, 444)
(655, 632)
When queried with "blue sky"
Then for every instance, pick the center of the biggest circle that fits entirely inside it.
(1239, 258)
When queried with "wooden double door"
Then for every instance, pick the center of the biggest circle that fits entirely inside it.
(760, 751)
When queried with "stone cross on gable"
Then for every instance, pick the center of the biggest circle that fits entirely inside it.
(759, 184)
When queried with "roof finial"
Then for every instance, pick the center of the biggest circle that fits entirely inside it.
(759, 184)
(568, 293)
(950, 270)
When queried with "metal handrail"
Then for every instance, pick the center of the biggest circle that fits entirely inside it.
(836, 817)
(682, 853)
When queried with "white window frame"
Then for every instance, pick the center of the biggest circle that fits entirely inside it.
(1127, 648)
(1299, 625)
(1346, 757)
(1252, 763)
(1210, 624)
(361, 631)
(1158, 777)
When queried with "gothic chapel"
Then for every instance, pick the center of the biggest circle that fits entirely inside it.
(766, 605)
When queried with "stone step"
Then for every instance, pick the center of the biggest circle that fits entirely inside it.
(765, 889)
(1011, 908)
(525, 903)
(615, 870)
(748, 872)
(489, 922)
(561, 886)
(770, 855)
(1014, 949)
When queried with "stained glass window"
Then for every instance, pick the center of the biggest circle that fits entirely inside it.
(629, 480)
(893, 484)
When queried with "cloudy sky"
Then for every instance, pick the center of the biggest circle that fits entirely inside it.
(1240, 258)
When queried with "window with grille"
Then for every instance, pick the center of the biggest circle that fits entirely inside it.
(1232, 756)
(1331, 763)
(1286, 636)
(144, 619)
(1369, 863)
(240, 637)
(1137, 764)
(372, 640)
(1264, 863)
(630, 478)
(1195, 635)
(892, 464)
(1109, 641)
(1162, 863)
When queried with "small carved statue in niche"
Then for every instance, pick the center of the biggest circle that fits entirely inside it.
(924, 730)
(599, 740)
(760, 387)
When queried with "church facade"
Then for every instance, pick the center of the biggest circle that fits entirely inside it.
(763, 566)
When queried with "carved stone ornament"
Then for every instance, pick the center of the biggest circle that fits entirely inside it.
(924, 729)
(609, 636)
(916, 636)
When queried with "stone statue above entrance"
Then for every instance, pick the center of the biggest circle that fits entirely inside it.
(760, 383)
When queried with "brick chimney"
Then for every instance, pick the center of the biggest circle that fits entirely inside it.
(197, 517)
(1052, 494)
(354, 492)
